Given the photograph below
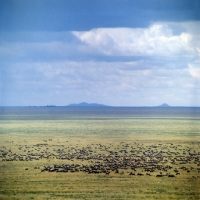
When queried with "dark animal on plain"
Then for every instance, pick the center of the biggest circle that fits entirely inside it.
(116, 171)
(171, 175)
(159, 175)
(107, 173)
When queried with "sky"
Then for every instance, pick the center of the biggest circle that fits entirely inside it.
(113, 52)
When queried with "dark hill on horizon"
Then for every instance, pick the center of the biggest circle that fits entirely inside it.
(84, 104)
(164, 105)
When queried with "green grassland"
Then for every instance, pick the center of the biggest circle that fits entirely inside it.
(130, 138)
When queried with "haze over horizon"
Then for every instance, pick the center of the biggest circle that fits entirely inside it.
(112, 52)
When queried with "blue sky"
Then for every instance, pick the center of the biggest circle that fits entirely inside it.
(114, 52)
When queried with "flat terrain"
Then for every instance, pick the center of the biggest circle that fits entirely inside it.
(99, 156)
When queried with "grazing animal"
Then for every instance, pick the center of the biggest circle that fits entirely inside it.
(171, 175)
(159, 175)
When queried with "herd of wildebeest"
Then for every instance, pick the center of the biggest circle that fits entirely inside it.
(161, 159)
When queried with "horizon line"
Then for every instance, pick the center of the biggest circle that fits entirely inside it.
(100, 106)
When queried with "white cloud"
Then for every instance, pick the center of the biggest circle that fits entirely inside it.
(194, 70)
(158, 39)
(112, 83)
(92, 66)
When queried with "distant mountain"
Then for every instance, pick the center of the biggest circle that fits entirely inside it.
(164, 105)
(84, 104)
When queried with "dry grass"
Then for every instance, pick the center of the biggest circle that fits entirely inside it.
(18, 183)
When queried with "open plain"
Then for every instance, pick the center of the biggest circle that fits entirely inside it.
(99, 153)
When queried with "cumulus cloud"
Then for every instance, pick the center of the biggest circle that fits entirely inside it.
(164, 40)
(158, 39)
(115, 66)
(103, 81)
(194, 70)
(112, 83)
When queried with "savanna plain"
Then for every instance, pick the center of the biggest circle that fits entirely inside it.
(99, 153)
